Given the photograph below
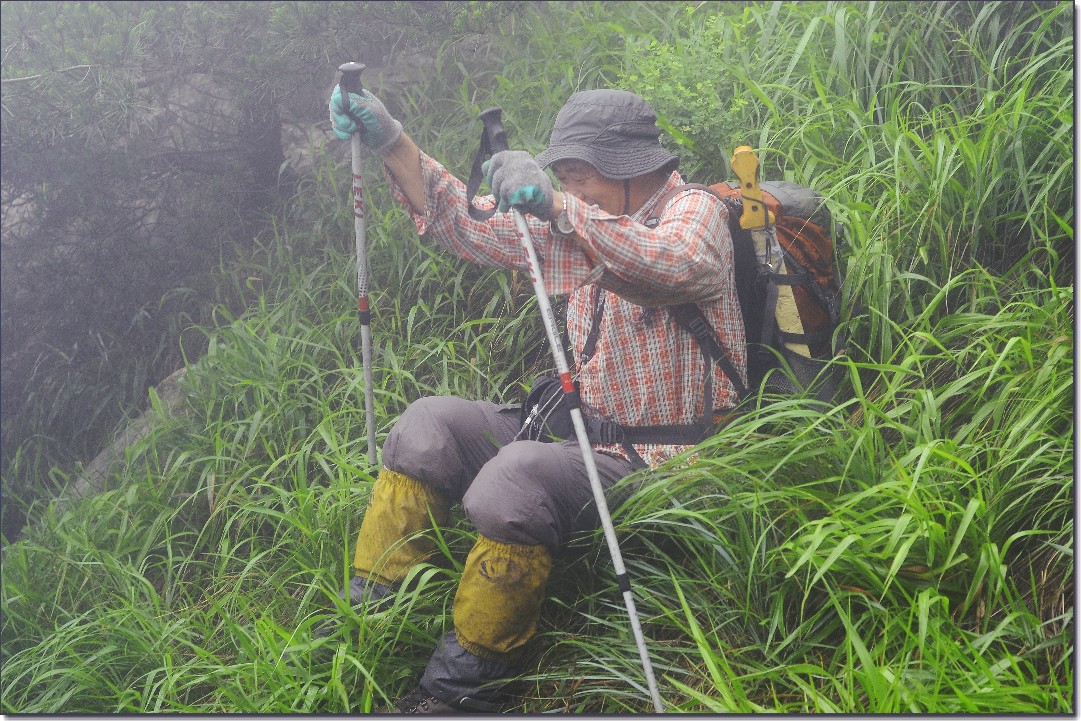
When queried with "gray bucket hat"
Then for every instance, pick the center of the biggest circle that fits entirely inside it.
(615, 131)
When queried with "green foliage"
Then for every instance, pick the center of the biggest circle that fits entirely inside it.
(909, 550)
(942, 151)
(697, 93)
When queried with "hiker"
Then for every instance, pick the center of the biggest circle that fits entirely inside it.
(635, 367)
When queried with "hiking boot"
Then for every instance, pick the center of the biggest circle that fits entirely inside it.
(465, 681)
(421, 700)
(366, 597)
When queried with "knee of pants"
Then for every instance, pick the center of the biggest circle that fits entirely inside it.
(425, 414)
(420, 443)
(512, 498)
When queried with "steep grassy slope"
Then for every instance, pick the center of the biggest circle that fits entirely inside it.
(907, 550)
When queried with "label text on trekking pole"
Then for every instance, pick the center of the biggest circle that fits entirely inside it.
(358, 197)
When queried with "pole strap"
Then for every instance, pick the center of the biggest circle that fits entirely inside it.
(476, 175)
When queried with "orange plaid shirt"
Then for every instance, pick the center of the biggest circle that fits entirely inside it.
(645, 370)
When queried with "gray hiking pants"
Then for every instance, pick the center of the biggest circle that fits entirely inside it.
(525, 492)
(519, 492)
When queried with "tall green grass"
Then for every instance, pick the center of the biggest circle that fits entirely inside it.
(908, 549)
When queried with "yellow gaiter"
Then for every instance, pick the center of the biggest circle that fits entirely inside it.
(388, 544)
(499, 597)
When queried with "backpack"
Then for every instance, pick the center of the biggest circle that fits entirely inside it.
(779, 360)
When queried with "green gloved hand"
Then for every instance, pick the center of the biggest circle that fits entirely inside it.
(377, 129)
(518, 182)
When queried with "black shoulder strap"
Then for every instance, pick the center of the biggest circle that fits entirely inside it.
(691, 318)
(559, 309)
(590, 345)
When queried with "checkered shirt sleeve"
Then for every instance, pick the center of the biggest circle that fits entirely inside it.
(645, 370)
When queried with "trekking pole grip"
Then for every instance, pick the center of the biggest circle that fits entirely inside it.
(350, 83)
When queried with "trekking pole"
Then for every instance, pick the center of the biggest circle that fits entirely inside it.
(497, 141)
(350, 83)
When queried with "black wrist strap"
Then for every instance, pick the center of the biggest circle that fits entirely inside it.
(476, 176)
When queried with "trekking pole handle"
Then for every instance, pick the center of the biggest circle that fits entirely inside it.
(493, 129)
(494, 140)
(350, 83)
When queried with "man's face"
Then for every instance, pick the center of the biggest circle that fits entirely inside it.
(580, 179)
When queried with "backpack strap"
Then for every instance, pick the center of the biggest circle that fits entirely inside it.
(690, 317)
(797, 277)
(590, 346)
(560, 310)
(602, 431)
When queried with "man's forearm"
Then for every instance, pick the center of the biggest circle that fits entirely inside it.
(403, 162)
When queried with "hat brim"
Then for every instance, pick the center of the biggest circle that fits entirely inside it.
(612, 163)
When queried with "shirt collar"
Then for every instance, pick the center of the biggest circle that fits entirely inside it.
(642, 214)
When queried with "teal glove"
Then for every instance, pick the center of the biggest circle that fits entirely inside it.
(517, 181)
(377, 129)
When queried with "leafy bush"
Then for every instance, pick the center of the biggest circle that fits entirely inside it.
(697, 92)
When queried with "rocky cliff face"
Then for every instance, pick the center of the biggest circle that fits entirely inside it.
(84, 279)
(86, 265)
